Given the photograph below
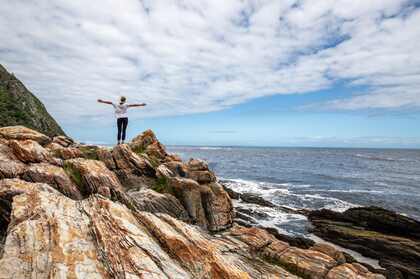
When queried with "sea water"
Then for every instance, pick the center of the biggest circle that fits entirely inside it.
(315, 178)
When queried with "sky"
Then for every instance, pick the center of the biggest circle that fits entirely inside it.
(224, 72)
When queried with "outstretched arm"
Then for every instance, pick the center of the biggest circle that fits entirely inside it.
(104, 102)
(136, 105)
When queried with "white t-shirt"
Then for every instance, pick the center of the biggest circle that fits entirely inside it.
(120, 110)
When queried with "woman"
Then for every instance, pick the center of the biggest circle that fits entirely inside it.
(121, 115)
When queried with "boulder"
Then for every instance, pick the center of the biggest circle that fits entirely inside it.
(91, 175)
(330, 251)
(53, 176)
(10, 166)
(23, 133)
(30, 151)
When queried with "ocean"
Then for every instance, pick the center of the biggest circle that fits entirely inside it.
(315, 178)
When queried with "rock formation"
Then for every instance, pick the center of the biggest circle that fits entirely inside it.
(134, 211)
(18, 106)
(391, 238)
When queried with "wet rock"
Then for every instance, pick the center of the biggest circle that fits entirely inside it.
(296, 241)
(30, 151)
(91, 175)
(53, 176)
(255, 199)
(352, 271)
(23, 133)
(10, 166)
(232, 194)
(373, 232)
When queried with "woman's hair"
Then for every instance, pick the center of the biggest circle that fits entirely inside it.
(122, 100)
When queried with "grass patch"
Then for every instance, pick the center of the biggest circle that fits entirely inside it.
(74, 175)
(162, 185)
(89, 152)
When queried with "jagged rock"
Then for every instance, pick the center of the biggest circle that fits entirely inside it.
(133, 170)
(202, 177)
(176, 168)
(23, 133)
(330, 251)
(53, 176)
(188, 192)
(154, 202)
(197, 165)
(63, 141)
(173, 157)
(30, 151)
(232, 194)
(10, 166)
(64, 153)
(126, 159)
(375, 233)
(218, 207)
(106, 156)
(148, 143)
(163, 172)
(91, 175)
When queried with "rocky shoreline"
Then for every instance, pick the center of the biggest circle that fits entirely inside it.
(374, 232)
(69, 210)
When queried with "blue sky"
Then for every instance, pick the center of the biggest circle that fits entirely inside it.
(252, 72)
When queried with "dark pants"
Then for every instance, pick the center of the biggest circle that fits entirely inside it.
(122, 127)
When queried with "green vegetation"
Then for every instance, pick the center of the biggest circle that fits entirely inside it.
(74, 174)
(139, 149)
(18, 106)
(162, 185)
(89, 152)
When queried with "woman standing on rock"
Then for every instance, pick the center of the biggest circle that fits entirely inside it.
(121, 115)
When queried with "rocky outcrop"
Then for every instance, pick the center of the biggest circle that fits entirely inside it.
(98, 238)
(391, 238)
(23, 133)
(18, 106)
(77, 220)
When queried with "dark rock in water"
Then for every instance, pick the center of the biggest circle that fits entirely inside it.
(251, 212)
(296, 241)
(374, 232)
(232, 194)
(18, 106)
(255, 199)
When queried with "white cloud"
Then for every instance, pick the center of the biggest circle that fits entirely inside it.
(197, 56)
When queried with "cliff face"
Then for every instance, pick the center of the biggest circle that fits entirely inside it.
(75, 211)
(18, 106)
